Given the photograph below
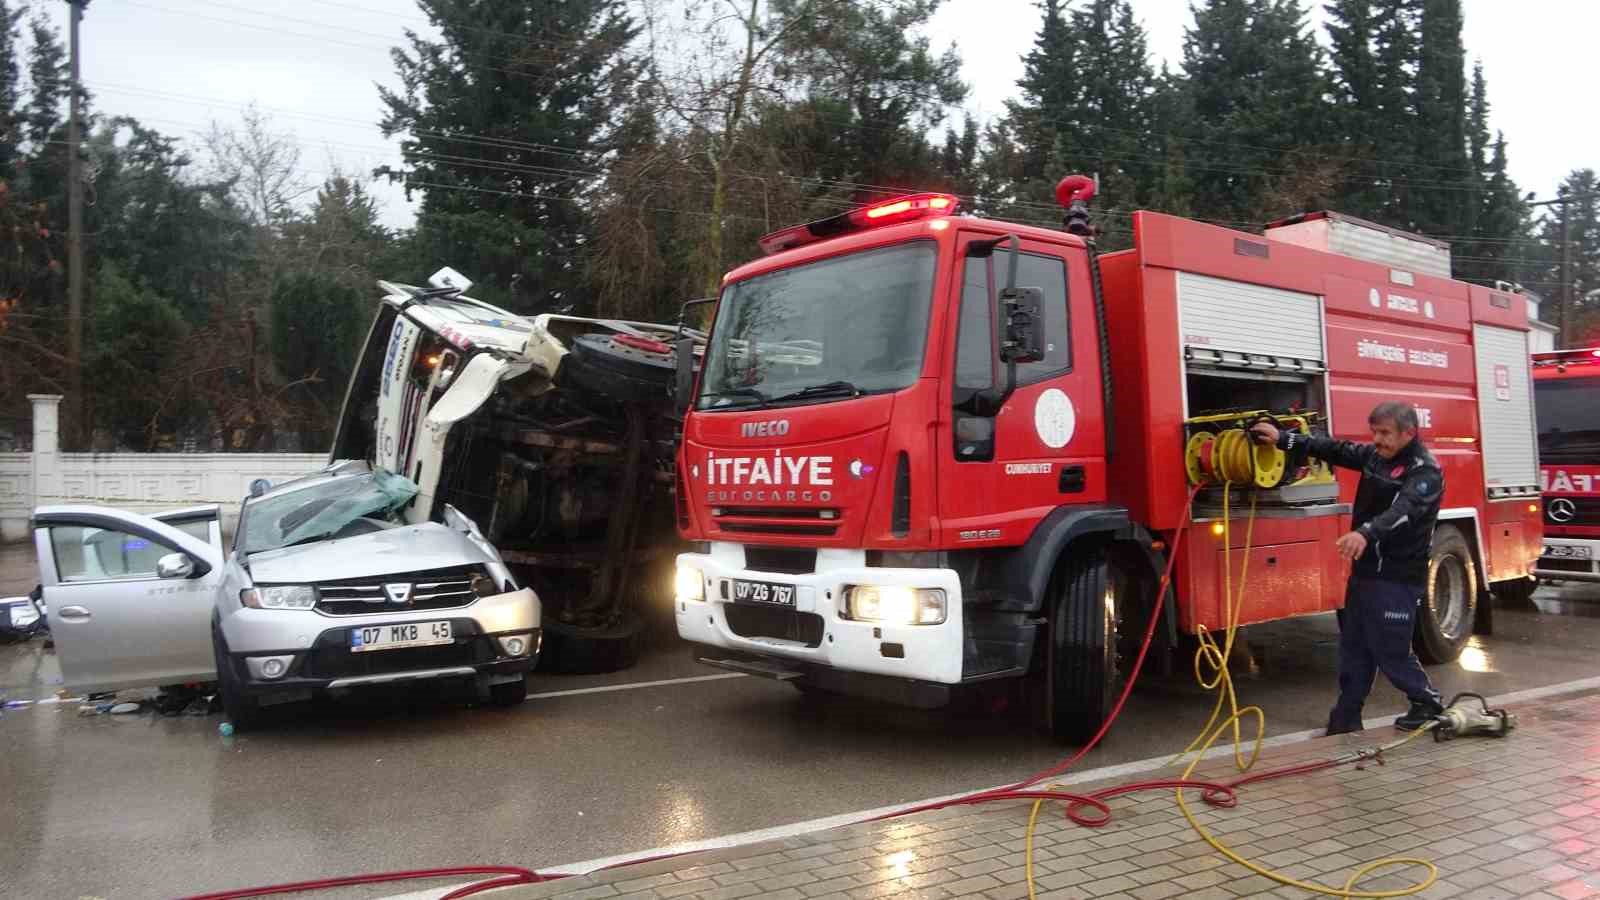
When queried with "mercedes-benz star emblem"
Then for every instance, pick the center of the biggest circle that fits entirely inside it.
(1561, 510)
(398, 594)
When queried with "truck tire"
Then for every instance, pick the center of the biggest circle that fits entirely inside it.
(1450, 602)
(243, 711)
(1082, 675)
(571, 650)
(597, 364)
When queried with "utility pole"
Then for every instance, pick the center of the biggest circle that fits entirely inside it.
(1566, 279)
(1564, 290)
(75, 405)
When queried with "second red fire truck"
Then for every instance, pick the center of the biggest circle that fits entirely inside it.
(1566, 387)
(926, 450)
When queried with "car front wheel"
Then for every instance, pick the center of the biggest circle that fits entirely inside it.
(241, 709)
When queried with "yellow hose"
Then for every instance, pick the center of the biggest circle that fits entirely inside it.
(1222, 682)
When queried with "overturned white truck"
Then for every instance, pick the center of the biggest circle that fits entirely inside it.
(554, 432)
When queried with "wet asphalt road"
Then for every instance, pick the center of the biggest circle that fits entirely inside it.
(143, 806)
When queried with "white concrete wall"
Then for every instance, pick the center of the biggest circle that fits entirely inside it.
(137, 481)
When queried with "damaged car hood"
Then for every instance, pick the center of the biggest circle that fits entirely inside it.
(411, 548)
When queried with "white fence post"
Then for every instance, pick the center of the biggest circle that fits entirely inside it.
(46, 448)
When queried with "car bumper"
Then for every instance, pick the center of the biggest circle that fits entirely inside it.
(315, 648)
(813, 632)
(1569, 559)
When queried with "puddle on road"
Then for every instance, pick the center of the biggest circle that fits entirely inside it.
(1563, 606)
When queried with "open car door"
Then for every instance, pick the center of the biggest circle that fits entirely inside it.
(129, 596)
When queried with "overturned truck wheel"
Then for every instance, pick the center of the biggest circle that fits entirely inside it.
(624, 368)
(577, 650)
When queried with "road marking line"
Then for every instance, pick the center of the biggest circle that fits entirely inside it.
(1128, 768)
(24, 704)
(606, 689)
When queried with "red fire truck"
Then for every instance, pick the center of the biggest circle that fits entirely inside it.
(1566, 388)
(925, 450)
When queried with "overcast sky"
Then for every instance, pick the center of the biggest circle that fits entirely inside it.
(313, 64)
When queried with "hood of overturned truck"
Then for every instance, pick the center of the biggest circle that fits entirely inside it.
(436, 356)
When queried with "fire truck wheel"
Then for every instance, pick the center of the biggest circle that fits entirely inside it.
(1083, 645)
(1448, 609)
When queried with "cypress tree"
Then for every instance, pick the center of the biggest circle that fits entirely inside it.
(504, 121)
(1446, 183)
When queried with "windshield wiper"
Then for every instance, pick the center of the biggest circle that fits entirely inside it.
(750, 392)
(821, 390)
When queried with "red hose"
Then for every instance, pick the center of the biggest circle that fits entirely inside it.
(1216, 793)
(509, 875)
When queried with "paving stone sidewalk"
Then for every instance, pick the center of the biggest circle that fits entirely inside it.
(1514, 817)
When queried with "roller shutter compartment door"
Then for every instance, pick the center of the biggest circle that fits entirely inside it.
(1223, 316)
(1505, 411)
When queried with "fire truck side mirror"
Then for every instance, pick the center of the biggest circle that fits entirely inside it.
(683, 383)
(1023, 311)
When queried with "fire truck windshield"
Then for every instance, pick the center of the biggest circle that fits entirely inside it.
(831, 329)
(1569, 419)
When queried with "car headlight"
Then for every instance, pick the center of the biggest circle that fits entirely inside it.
(690, 584)
(895, 604)
(279, 596)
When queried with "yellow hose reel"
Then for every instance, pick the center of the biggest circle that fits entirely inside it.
(1221, 451)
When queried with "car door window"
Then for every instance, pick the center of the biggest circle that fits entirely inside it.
(199, 529)
(84, 553)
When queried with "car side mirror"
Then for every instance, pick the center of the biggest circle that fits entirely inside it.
(1022, 311)
(175, 565)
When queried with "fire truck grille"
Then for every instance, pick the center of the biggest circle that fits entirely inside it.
(436, 589)
(778, 528)
(787, 560)
(774, 622)
(1564, 565)
(1583, 511)
(775, 512)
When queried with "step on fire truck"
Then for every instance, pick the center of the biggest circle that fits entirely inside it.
(926, 450)
(1566, 385)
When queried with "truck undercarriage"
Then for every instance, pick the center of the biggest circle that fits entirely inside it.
(566, 461)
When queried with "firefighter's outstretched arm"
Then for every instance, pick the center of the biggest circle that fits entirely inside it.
(1417, 501)
(1346, 454)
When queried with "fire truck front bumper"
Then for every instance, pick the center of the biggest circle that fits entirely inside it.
(844, 615)
(1569, 559)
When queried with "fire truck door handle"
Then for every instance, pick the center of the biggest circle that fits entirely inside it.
(1272, 560)
(1072, 480)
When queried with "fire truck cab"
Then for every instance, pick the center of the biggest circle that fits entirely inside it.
(1566, 386)
(926, 450)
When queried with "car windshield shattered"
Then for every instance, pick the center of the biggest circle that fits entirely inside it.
(841, 326)
(338, 507)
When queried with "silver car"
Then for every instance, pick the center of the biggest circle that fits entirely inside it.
(327, 588)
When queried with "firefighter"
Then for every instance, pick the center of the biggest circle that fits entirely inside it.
(1395, 507)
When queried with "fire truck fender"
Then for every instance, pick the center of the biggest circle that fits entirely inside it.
(1026, 571)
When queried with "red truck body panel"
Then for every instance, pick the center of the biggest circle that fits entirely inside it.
(1387, 334)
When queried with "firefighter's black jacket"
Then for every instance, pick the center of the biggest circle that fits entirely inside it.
(1396, 503)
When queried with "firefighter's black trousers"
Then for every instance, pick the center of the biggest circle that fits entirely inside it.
(1375, 629)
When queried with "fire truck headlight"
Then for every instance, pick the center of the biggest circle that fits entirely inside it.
(895, 604)
(690, 583)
